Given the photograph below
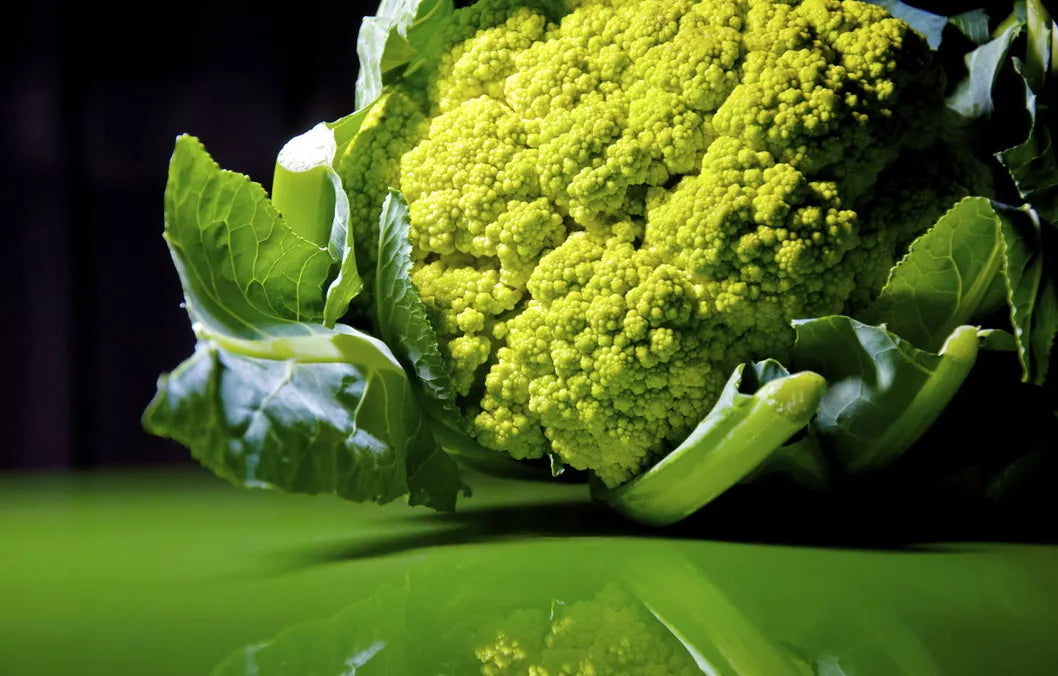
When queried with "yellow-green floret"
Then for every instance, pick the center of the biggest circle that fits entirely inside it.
(613, 206)
(610, 634)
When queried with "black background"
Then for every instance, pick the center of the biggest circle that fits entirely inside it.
(92, 99)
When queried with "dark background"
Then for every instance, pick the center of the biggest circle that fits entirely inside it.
(92, 99)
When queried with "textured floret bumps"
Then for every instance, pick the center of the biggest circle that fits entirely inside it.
(613, 204)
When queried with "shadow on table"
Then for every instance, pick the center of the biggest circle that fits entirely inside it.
(751, 514)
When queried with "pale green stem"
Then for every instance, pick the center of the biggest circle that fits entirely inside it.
(957, 358)
(348, 346)
(726, 446)
(302, 189)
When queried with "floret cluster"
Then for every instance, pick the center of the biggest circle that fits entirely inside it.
(615, 202)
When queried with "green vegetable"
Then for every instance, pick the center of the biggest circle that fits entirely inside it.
(739, 433)
(572, 225)
(598, 264)
(884, 391)
(272, 397)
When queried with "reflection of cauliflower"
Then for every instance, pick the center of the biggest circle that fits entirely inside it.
(610, 634)
(612, 209)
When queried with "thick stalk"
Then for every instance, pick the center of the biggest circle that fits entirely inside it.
(302, 189)
(728, 444)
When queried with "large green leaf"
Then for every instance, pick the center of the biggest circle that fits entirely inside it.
(342, 248)
(400, 33)
(271, 396)
(950, 275)
(973, 95)
(977, 256)
(973, 24)
(400, 312)
(1038, 47)
(884, 392)
(1032, 291)
(1033, 164)
(310, 414)
(244, 272)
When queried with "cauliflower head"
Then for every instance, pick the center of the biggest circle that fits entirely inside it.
(615, 202)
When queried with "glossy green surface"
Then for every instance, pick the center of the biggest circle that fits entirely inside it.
(180, 574)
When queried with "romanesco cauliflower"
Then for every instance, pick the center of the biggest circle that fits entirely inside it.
(614, 203)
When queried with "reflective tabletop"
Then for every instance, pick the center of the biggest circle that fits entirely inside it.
(178, 573)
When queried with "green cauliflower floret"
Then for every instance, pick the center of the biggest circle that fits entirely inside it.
(613, 206)
(611, 633)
